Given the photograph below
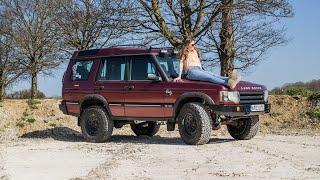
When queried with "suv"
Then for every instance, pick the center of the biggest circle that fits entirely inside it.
(112, 87)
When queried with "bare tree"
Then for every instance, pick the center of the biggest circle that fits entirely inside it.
(10, 70)
(248, 30)
(34, 35)
(86, 24)
(174, 20)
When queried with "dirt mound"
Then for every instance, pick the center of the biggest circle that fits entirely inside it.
(43, 119)
(291, 114)
(20, 117)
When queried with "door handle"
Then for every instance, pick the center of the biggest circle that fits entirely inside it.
(74, 87)
(98, 87)
(129, 87)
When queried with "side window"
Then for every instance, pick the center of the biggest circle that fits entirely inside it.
(112, 69)
(81, 70)
(141, 67)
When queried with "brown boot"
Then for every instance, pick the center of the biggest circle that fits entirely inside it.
(234, 79)
(232, 83)
(235, 75)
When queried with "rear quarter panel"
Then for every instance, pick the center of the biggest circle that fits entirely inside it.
(74, 91)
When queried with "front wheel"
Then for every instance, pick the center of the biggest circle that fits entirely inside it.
(244, 129)
(194, 124)
(95, 124)
(145, 128)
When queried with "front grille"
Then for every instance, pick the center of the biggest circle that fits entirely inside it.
(252, 97)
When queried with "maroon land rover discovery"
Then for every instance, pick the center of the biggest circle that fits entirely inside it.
(111, 87)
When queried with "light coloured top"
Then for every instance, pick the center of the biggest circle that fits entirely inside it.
(192, 59)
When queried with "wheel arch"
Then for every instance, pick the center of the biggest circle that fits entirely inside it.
(94, 99)
(191, 97)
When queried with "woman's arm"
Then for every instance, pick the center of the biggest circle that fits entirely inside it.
(199, 57)
(180, 68)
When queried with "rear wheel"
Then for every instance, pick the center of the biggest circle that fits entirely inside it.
(96, 126)
(149, 128)
(244, 129)
(194, 124)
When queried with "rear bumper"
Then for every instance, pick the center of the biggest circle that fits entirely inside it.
(63, 107)
(238, 110)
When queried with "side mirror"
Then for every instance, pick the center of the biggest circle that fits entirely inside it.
(153, 77)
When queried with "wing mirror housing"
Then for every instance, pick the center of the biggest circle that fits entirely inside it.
(153, 77)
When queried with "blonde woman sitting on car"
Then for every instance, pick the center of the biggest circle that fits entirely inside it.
(190, 68)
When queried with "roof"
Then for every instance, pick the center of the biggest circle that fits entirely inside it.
(116, 51)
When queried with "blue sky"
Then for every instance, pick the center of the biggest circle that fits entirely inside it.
(297, 61)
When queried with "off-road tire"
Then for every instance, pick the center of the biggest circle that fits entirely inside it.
(199, 132)
(246, 129)
(103, 124)
(149, 128)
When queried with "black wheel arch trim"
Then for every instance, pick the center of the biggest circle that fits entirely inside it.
(206, 100)
(95, 97)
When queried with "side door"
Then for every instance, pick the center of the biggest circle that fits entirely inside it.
(78, 83)
(110, 83)
(144, 97)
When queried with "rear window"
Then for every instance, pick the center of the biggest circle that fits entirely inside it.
(112, 69)
(81, 70)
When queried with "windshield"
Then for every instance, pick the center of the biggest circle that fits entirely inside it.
(170, 64)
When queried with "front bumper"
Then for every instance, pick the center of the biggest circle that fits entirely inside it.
(63, 107)
(238, 110)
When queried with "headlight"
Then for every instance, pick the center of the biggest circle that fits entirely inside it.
(266, 95)
(229, 96)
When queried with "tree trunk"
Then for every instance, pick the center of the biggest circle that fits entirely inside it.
(1, 86)
(34, 85)
(227, 51)
(34, 82)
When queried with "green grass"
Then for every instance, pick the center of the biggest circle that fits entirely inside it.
(31, 120)
(33, 103)
(279, 102)
(25, 113)
(314, 114)
(266, 123)
(275, 114)
(20, 124)
(53, 124)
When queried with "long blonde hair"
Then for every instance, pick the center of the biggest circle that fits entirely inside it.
(184, 52)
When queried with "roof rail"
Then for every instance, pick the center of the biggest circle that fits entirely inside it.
(167, 48)
(129, 45)
(89, 52)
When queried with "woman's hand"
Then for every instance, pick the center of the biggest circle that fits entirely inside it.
(177, 79)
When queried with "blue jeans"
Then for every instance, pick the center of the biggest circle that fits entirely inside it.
(198, 74)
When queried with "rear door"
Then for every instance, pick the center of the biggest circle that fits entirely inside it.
(111, 81)
(143, 97)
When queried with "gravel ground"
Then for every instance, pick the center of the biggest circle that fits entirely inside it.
(61, 153)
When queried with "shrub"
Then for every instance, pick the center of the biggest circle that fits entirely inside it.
(298, 92)
(314, 114)
(314, 99)
(314, 96)
(25, 94)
